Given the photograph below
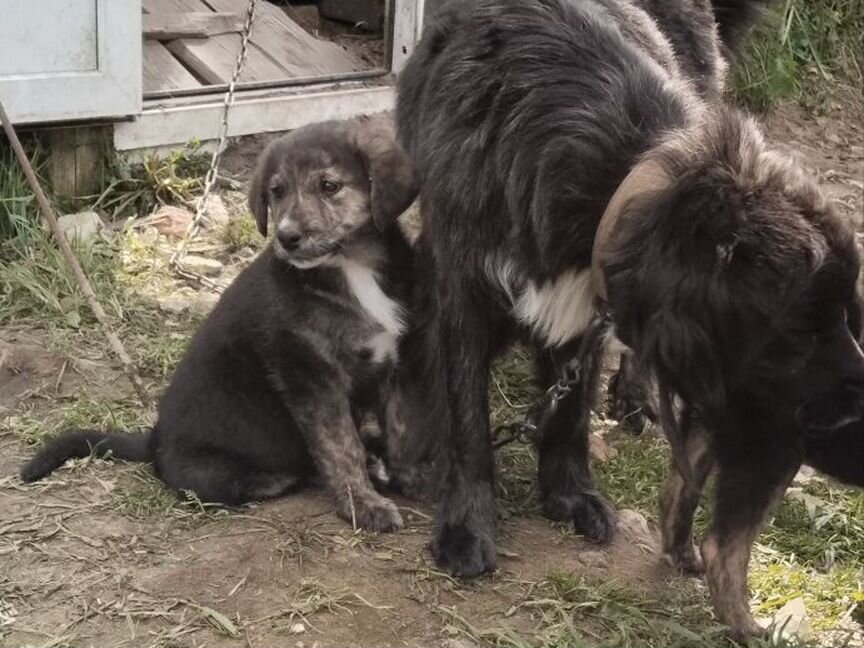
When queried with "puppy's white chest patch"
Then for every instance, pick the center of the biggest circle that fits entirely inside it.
(384, 311)
(556, 311)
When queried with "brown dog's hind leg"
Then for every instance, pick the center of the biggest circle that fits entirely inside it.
(748, 486)
(678, 504)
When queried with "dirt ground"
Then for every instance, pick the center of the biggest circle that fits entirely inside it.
(100, 556)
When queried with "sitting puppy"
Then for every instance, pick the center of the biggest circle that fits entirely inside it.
(276, 381)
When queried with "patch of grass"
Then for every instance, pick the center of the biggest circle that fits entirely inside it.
(820, 525)
(145, 496)
(19, 215)
(240, 233)
(570, 610)
(80, 411)
(827, 596)
(135, 189)
(634, 477)
(806, 50)
(38, 290)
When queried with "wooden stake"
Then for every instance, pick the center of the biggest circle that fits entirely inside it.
(68, 254)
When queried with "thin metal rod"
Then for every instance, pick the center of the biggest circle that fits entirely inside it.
(204, 91)
(69, 255)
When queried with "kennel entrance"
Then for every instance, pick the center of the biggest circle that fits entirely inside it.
(156, 70)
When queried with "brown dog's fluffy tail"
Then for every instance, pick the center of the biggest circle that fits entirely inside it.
(74, 444)
(735, 19)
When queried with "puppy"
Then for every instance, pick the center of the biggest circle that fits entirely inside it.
(576, 161)
(276, 381)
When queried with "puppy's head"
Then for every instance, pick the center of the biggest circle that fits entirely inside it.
(736, 283)
(326, 185)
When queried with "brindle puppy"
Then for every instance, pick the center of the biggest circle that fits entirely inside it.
(276, 380)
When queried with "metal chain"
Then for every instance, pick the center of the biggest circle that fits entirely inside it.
(176, 260)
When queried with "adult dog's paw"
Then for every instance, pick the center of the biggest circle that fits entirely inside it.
(379, 515)
(463, 550)
(590, 513)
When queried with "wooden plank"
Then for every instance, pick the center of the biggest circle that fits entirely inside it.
(74, 168)
(163, 72)
(173, 122)
(213, 60)
(291, 46)
(173, 6)
(190, 24)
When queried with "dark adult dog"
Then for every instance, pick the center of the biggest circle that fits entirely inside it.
(276, 380)
(725, 269)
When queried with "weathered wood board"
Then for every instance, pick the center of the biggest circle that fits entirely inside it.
(190, 24)
(164, 72)
(279, 49)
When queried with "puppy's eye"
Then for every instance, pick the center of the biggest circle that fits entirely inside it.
(277, 191)
(329, 187)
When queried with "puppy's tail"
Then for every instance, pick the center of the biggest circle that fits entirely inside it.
(75, 444)
(735, 19)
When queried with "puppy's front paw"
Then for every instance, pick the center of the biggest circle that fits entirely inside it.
(463, 550)
(371, 513)
(591, 514)
(685, 560)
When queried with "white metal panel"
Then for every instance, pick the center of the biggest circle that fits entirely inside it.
(63, 60)
(407, 27)
(62, 38)
(177, 122)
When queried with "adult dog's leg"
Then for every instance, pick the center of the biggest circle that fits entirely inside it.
(566, 485)
(748, 485)
(340, 457)
(678, 504)
(629, 393)
(464, 543)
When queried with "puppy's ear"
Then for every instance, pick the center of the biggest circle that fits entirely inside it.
(668, 277)
(259, 201)
(393, 183)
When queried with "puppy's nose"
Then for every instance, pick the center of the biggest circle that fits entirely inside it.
(290, 240)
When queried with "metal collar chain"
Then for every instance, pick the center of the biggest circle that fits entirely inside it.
(571, 375)
(176, 260)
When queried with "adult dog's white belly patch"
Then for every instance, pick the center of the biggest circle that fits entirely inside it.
(556, 311)
(386, 312)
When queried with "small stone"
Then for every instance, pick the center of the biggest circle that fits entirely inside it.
(594, 559)
(172, 221)
(204, 302)
(216, 213)
(600, 450)
(82, 226)
(458, 642)
(789, 621)
(297, 628)
(202, 265)
(636, 528)
(175, 304)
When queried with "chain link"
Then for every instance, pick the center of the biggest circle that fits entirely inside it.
(176, 260)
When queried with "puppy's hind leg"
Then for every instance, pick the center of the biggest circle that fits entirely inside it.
(220, 478)
(566, 485)
(678, 504)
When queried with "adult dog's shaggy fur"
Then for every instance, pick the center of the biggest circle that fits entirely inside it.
(300, 347)
(728, 276)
